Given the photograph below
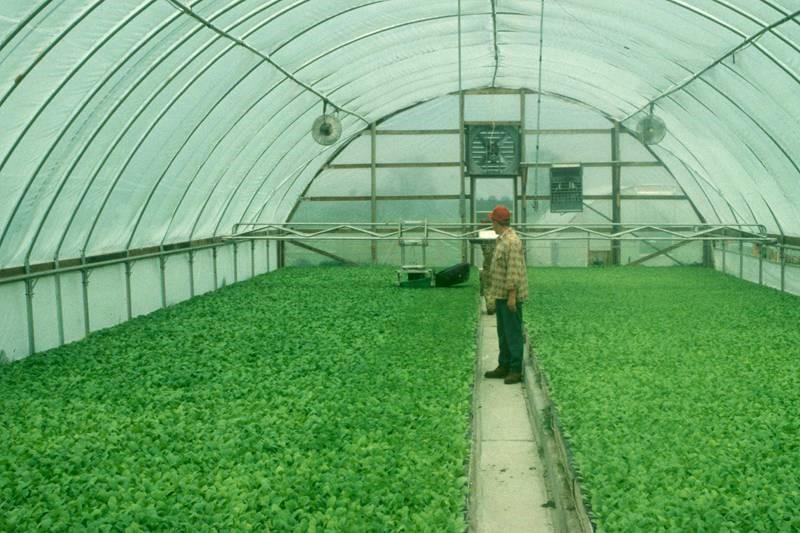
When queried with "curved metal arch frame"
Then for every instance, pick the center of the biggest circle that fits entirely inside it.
(255, 162)
(295, 174)
(393, 27)
(264, 57)
(683, 5)
(185, 64)
(141, 78)
(438, 66)
(696, 182)
(247, 174)
(320, 22)
(493, 13)
(121, 135)
(192, 31)
(714, 114)
(47, 101)
(771, 140)
(254, 139)
(68, 124)
(416, 81)
(80, 18)
(267, 177)
(700, 165)
(746, 114)
(750, 116)
(409, 108)
(753, 121)
(211, 152)
(185, 142)
(28, 19)
(750, 39)
(556, 95)
(292, 178)
(240, 80)
(169, 105)
(758, 126)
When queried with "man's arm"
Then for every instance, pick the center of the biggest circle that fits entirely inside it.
(516, 269)
(512, 300)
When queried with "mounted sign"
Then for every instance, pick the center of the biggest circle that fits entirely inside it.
(566, 188)
(492, 150)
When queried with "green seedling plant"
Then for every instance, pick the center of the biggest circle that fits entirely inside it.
(302, 400)
(678, 391)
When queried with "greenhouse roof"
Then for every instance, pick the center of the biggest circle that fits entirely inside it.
(138, 123)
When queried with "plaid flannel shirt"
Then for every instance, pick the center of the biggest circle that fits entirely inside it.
(508, 268)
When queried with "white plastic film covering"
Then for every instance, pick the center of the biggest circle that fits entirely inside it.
(136, 123)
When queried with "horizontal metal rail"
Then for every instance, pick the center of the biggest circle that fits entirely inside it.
(456, 164)
(90, 265)
(387, 231)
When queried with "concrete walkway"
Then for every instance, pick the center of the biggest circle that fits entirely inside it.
(508, 491)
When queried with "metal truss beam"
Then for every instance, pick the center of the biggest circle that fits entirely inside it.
(464, 232)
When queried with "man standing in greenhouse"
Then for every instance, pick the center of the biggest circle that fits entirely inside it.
(508, 289)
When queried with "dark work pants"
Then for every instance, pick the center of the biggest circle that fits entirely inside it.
(509, 332)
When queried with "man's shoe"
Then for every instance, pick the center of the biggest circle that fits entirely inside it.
(513, 377)
(499, 373)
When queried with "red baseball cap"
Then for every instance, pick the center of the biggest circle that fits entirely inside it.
(500, 214)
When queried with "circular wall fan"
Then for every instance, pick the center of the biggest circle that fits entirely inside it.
(327, 128)
(651, 129)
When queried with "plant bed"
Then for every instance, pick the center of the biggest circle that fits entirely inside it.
(677, 391)
(319, 398)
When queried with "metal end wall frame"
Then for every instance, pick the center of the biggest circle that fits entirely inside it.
(386, 231)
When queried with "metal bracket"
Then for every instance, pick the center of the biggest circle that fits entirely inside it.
(30, 285)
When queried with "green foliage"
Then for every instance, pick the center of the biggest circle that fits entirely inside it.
(679, 390)
(306, 399)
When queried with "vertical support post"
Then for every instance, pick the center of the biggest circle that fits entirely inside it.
(162, 259)
(523, 215)
(191, 273)
(472, 210)
(214, 258)
(281, 254)
(29, 286)
(462, 204)
(128, 302)
(267, 248)
(708, 253)
(741, 259)
(724, 255)
(616, 203)
(783, 264)
(761, 250)
(235, 262)
(588, 249)
(59, 306)
(85, 284)
(373, 202)
(252, 259)
(462, 208)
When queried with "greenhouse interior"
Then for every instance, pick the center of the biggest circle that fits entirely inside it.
(258, 259)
